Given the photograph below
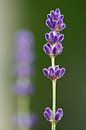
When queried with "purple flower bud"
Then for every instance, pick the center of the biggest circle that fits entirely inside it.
(48, 114)
(61, 17)
(62, 71)
(58, 72)
(57, 49)
(59, 114)
(57, 11)
(61, 38)
(49, 24)
(47, 49)
(46, 72)
(48, 110)
(54, 73)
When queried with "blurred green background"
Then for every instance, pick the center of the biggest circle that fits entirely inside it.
(71, 89)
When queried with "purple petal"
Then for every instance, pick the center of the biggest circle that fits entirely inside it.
(55, 39)
(47, 36)
(56, 67)
(49, 24)
(57, 72)
(54, 36)
(57, 11)
(59, 23)
(47, 116)
(53, 15)
(61, 37)
(49, 45)
(60, 110)
(47, 49)
(46, 72)
(51, 70)
(54, 24)
(61, 17)
(62, 71)
(63, 26)
(48, 110)
(60, 47)
(55, 50)
(59, 114)
(49, 16)
(51, 35)
(52, 12)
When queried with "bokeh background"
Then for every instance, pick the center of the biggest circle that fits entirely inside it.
(71, 90)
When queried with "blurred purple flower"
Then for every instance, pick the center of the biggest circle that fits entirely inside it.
(25, 120)
(23, 88)
(24, 38)
(23, 70)
(24, 55)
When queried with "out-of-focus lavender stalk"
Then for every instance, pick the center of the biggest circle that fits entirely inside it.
(23, 70)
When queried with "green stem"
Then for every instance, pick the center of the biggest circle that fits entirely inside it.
(53, 94)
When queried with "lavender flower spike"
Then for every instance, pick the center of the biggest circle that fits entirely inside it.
(53, 48)
(54, 73)
(55, 20)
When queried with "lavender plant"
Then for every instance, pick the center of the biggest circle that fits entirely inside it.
(53, 48)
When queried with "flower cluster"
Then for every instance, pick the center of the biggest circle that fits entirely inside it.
(55, 20)
(48, 114)
(53, 48)
(54, 73)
